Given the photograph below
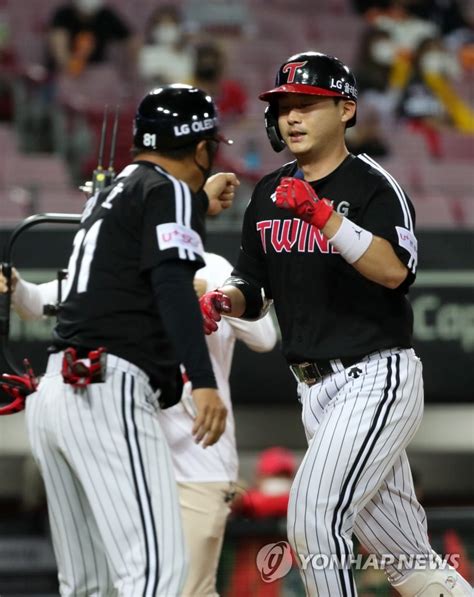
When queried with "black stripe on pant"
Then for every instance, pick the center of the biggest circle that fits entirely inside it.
(143, 497)
(350, 484)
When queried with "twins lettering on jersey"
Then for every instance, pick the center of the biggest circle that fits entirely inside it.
(292, 234)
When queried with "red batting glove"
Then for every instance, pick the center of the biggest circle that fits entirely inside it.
(299, 197)
(212, 304)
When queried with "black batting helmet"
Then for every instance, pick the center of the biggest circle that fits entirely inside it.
(175, 116)
(309, 73)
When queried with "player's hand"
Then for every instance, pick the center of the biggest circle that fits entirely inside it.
(212, 304)
(14, 280)
(211, 414)
(299, 197)
(220, 189)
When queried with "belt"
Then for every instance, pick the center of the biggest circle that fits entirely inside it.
(113, 362)
(311, 373)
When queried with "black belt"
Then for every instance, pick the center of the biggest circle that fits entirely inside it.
(311, 373)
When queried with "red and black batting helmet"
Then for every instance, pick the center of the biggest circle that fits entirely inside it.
(309, 73)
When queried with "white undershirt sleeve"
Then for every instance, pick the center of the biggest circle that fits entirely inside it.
(28, 299)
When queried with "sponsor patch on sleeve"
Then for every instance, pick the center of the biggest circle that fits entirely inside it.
(177, 236)
(407, 240)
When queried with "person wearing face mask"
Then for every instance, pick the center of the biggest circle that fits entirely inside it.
(80, 32)
(128, 318)
(429, 101)
(230, 96)
(165, 57)
(376, 56)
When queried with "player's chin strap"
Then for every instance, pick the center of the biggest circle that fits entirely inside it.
(17, 388)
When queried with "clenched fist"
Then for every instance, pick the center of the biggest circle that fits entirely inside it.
(212, 305)
(220, 189)
(299, 197)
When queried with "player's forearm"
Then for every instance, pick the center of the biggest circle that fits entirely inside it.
(237, 299)
(378, 262)
(29, 299)
(179, 310)
(260, 335)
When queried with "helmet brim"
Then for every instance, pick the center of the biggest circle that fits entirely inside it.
(301, 88)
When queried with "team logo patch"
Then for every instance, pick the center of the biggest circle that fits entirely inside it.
(177, 236)
(291, 69)
(407, 240)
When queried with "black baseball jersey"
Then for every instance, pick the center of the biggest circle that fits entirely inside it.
(144, 219)
(325, 308)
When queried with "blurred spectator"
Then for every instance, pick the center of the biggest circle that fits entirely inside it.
(447, 14)
(429, 101)
(266, 505)
(218, 15)
(166, 56)
(406, 29)
(364, 7)
(229, 95)
(276, 468)
(374, 62)
(80, 33)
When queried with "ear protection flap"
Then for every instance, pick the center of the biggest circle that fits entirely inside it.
(271, 126)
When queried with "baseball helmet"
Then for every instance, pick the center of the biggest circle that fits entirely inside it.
(175, 116)
(276, 461)
(309, 73)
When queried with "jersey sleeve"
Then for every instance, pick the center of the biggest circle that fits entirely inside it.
(251, 260)
(390, 215)
(172, 227)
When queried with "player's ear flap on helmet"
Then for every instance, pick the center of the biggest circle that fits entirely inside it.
(272, 128)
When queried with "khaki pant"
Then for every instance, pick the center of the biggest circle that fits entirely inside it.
(204, 513)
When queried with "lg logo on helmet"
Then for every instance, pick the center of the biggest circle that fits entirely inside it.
(291, 68)
(342, 85)
(195, 127)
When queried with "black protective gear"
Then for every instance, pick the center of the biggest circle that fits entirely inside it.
(175, 116)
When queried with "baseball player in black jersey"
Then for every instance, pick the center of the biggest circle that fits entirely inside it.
(330, 238)
(129, 317)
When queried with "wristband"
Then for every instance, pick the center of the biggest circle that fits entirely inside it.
(351, 241)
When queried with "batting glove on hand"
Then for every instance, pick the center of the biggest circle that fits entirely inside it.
(212, 305)
(299, 197)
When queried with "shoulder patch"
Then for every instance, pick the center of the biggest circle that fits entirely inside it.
(407, 240)
(176, 236)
